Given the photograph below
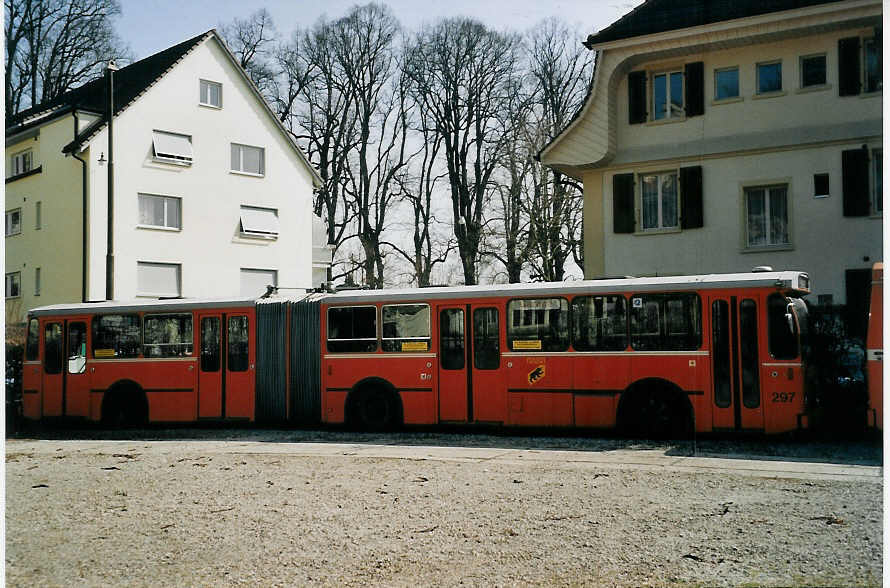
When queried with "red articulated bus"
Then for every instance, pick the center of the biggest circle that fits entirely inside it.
(653, 356)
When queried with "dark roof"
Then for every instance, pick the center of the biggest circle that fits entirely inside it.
(129, 83)
(658, 16)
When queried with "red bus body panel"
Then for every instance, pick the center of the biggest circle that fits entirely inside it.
(875, 349)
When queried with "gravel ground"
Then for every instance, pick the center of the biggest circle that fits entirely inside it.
(212, 509)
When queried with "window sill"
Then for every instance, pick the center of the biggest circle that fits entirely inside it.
(767, 95)
(159, 228)
(665, 121)
(30, 172)
(810, 89)
(669, 231)
(248, 174)
(14, 234)
(210, 106)
(178, 162)
(767, 248)
(870, 94)
(733, 100)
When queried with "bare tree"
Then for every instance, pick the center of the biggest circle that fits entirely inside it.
(463, 74)
(253, 41)
(56, 45)
(560, 68)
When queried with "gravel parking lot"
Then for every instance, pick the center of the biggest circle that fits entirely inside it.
(223, 507)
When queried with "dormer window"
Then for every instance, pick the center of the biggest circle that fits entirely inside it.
(667, 95)
(172, 147)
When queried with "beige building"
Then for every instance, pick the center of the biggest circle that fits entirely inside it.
(212, 196)
(719, 136)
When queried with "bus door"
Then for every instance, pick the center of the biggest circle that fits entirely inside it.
(66, 384)
(471, 385)
(226, 370)
(735, 363)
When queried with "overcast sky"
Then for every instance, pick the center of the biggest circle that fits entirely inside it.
(150, 26)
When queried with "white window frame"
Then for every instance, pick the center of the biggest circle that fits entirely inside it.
(240, 169)
(21, 162)
(639, 197)
(13, 279)
(158, 294)
(767, 187)
(738, 93)
(166, 200)
(180, 154)
(252, 224)
(804, 58)
(669, 112)
(11, 229)
(757, 78)
(202, 83)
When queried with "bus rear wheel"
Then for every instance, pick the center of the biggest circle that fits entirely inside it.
(124, 407)
(377, 410)
(654, 413)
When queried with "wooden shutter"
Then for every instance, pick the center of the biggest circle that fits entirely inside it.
(695, 88)
(691, 198)
(855, 182)
(848, 73)
(623, 203)
(636, 97)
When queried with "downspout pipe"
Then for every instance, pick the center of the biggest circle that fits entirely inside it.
(109, 257)
(83, 163)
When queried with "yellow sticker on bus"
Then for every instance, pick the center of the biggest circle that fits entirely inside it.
(414, 345)
(103, 353)
(536, 344)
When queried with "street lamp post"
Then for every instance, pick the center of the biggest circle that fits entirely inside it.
(109, 255)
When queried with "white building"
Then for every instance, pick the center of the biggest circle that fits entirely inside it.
(212, 196)
(723, 135)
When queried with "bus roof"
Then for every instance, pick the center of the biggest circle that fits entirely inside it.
(786, 280)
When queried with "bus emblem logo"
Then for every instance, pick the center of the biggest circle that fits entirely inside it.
(536, 374)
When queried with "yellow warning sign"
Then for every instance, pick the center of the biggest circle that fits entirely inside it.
(536, 374)
(103, 353)
(536, 344)
(414, 345)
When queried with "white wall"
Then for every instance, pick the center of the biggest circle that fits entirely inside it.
(209, 247)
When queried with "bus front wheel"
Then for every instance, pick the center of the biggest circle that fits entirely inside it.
(377, 409)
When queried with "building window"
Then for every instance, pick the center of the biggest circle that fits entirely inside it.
(259, 222)
(820, 186)
(766, 214)
(769, 77)
(38, 215)
(873, 81)
(726, 83)
(877, 180)
(160, 211)
(248, 160)
(211, 94)
(13, 222)
(13, 285)
(255, 281)
(812, 71)
(158, 279)
(172, 147)
(658, 201)
(21, 162)
(37, 281)
(667, 95)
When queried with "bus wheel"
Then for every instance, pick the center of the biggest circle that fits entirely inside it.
(377, 410)
(124, 407)
(654, 413)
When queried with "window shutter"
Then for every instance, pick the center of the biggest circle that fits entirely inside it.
(855, 182)
(636, 97)
(623, 203)
(849, 76)
(695, 88)
(691, 203)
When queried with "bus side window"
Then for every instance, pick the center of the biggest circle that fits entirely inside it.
(117, 336)
(599, 323)
(52, 345)
(32, 347)
(406, 327)
(538, 324)
(238, 344)
(77, 348)
(352, 329)
(486, 346)
(782, 339)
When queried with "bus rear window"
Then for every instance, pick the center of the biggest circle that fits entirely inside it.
(116, 336)
(599, 323)
(32, 345)
(665, 322)
(538, 324)
(167, 335)
(352, 329)
(406, 327)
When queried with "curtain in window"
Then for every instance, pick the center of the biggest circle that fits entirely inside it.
(659, 95)
(756, 217)
(778, 216)
(151, 211)
(669, 201)
(676, 93)
(650, 202)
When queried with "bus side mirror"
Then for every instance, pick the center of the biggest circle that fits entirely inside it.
(789, 316)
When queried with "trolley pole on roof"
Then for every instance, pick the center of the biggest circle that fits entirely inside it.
(109, 255)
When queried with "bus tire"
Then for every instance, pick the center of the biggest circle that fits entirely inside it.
(655, 410)
(375, 406)
(124, 405)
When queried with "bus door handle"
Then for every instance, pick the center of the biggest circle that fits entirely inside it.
(191, 367)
